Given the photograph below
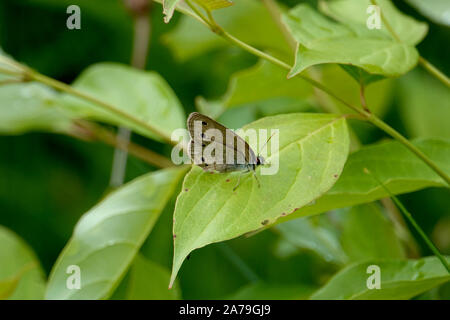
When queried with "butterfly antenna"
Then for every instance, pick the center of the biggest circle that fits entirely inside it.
(265, 144)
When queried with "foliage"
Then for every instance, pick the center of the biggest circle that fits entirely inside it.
(312, 70)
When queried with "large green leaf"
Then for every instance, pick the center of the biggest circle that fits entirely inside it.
(21, 276)
(321, 40)
(393, 164)
(264, 84)
(312, 151)
(31, 106)
(368, 234)
(399, 280)
(424, 105)
(248, 20)
(148, 281)
(107, 237)
(145, 95)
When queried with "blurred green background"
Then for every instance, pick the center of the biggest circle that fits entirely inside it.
(48, 181)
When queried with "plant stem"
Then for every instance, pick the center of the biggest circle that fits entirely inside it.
(419, 230)
(413, 222)
(60, 86)
(214, 27)
(434, 71)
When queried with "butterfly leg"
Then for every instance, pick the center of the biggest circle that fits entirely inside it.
(239, 179)
(257, 180)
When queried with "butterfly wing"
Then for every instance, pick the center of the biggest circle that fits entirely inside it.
(204, 138)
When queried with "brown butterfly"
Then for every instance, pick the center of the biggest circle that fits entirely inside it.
(227, 152)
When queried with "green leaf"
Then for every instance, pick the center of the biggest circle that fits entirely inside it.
(321, 40)
(399, 280)
(21, 276)
(424, 105)
(435, 10)
(31, 107)
(393, 164)
(148, 281)
(144, 95)
(264, 84)
(368, 234)
(248, 20)
(265, 291)
(353, 14)
(312, 151)
(107, 237)
(317, 235)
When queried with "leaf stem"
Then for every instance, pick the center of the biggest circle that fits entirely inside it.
(413, 222)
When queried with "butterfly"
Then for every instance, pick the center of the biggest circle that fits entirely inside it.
(214, 147)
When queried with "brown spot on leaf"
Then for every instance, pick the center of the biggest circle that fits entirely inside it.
(283, 213)
(174, 236)
(336, 175)
(265, 222)
(228, 180)
(186, 190)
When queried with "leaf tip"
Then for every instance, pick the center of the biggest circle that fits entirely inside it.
(168, 11)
